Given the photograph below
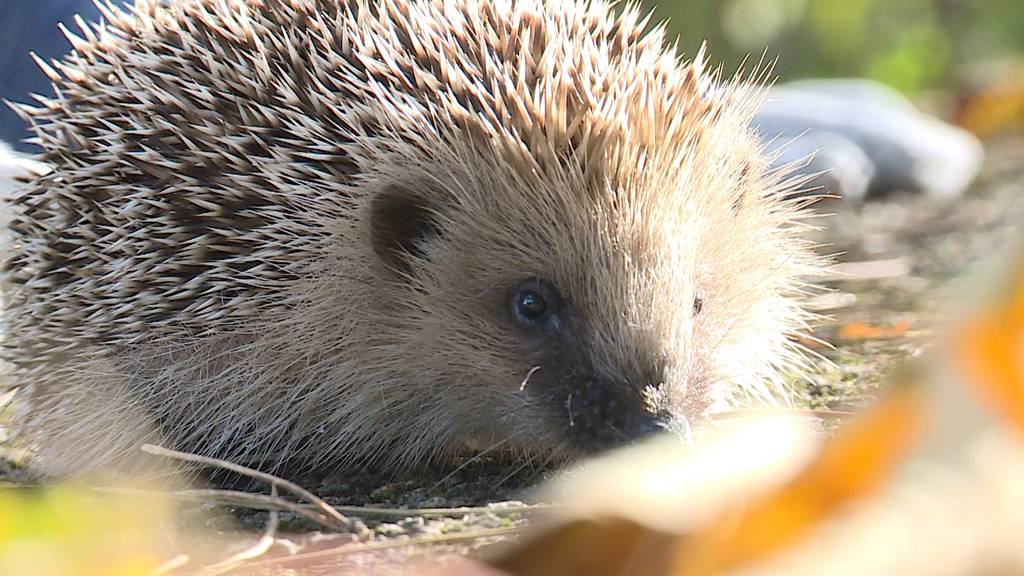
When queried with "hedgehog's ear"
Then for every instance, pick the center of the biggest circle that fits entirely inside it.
(400, 222)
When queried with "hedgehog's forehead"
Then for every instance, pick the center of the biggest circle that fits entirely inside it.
(559, 229)
(617, 195)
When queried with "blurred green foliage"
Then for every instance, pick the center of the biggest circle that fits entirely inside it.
(912, 45)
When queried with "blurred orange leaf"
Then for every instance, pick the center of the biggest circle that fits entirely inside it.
(990, 353)
(862, 331)
(851, 465)
(996, 106)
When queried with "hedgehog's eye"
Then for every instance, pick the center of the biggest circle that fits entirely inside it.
(535, 303)
(698, 305)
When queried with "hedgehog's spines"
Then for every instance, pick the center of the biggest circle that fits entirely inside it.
(203, 254)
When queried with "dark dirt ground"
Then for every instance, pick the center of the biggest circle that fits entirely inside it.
(902, 261)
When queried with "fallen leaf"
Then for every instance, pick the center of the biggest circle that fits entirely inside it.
(990, 354)
(851, 465)
(994, 104)
(863, 331)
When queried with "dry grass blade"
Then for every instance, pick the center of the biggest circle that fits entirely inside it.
(342, 522)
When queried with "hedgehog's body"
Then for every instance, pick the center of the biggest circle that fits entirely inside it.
(325, 231)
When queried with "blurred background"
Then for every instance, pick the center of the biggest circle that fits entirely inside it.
(912, 45)
(31, 25)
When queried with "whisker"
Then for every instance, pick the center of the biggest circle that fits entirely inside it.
(522, 386)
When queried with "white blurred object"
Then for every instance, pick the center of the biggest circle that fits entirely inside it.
(845, 122)
(676, 487)
(832, 162)
(15, 168)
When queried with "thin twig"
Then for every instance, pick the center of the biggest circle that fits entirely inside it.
(444, 512)
(264, 502)
(255, 551)
(347, 549)
(330, 511)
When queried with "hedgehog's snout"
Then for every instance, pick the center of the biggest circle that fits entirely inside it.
(600, 416)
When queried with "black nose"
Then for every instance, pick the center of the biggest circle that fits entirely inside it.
(638, 426)
(598, 435)
(601, 417)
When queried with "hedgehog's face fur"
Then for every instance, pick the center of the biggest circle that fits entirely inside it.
(570, 314)
(334, 230)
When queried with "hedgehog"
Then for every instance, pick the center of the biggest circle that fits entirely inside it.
(312, 234)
